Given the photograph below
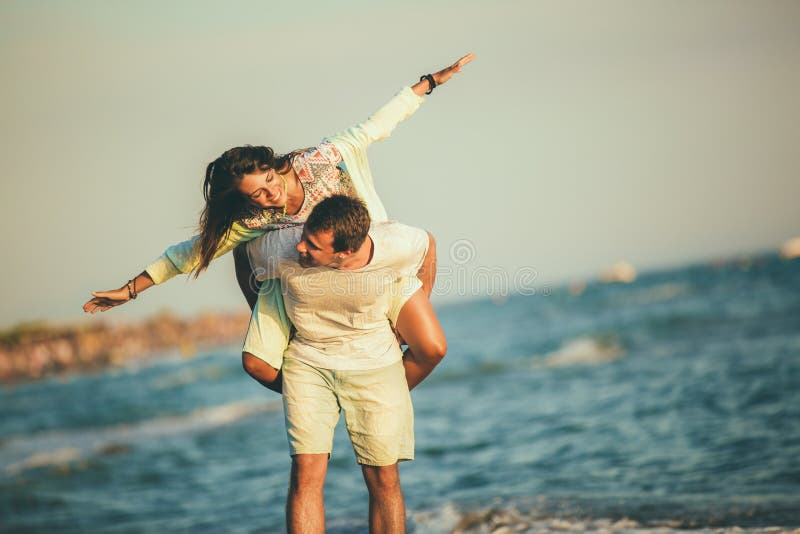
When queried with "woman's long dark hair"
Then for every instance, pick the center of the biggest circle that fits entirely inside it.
(225, 204)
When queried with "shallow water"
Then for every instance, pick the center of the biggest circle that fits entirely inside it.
(666, 404)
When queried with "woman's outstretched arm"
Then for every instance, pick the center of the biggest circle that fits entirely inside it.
(381, 123)
(180, 258)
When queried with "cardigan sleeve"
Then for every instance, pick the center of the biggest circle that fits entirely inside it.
(184, 257)
(381, 123)
(352, 145)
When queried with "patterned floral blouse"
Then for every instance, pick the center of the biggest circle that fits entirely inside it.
(322, 173)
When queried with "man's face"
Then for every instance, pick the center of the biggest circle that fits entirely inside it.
(316, 249)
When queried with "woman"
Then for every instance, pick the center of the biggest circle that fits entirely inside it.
(250, 190)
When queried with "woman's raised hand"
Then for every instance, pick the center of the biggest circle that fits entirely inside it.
(104, 300)
(442, 76)
(447, 73)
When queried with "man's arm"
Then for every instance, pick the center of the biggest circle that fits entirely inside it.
(269, 329)
(262, 372)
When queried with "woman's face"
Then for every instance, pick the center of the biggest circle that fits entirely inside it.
(264, 189)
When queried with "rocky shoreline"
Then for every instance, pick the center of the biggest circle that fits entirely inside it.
(35, 351)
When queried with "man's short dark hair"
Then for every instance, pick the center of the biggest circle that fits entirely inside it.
(346, 216)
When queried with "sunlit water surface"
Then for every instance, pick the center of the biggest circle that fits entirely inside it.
(669, 403)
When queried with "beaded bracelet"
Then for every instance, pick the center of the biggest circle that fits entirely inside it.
(132, 294)
(431, 82)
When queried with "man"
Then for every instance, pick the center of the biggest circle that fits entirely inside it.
(342, 280)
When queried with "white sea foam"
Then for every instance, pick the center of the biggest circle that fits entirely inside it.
(581, 351)
(42, 459)
(186, 376)
(510, 520)
(656, 293)
(56, 448)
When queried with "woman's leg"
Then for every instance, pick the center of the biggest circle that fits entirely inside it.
(244, 275)
(418, 325)
(419, 328)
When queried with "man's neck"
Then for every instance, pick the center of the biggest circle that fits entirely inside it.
(360, 257)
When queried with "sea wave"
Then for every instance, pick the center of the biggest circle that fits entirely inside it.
(657, 293)
(581, 351)
(451, 518)
(58, 448)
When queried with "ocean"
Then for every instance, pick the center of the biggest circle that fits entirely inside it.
(668, 404)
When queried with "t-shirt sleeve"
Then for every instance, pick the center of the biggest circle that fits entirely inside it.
(406, 247)
(269, 251)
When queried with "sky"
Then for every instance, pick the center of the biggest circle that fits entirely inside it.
(657, 132)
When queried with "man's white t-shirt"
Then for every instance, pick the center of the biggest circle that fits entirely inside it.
(341, 316)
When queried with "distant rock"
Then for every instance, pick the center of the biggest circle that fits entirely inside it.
(577, 287)
(622, 271)
(38, 350)
(791, 249)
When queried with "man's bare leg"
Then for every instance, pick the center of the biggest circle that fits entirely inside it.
(387, 510)
(305, 507)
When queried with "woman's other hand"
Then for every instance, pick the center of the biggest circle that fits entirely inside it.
(104, 300)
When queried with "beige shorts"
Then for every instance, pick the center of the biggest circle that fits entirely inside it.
(376, 405)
